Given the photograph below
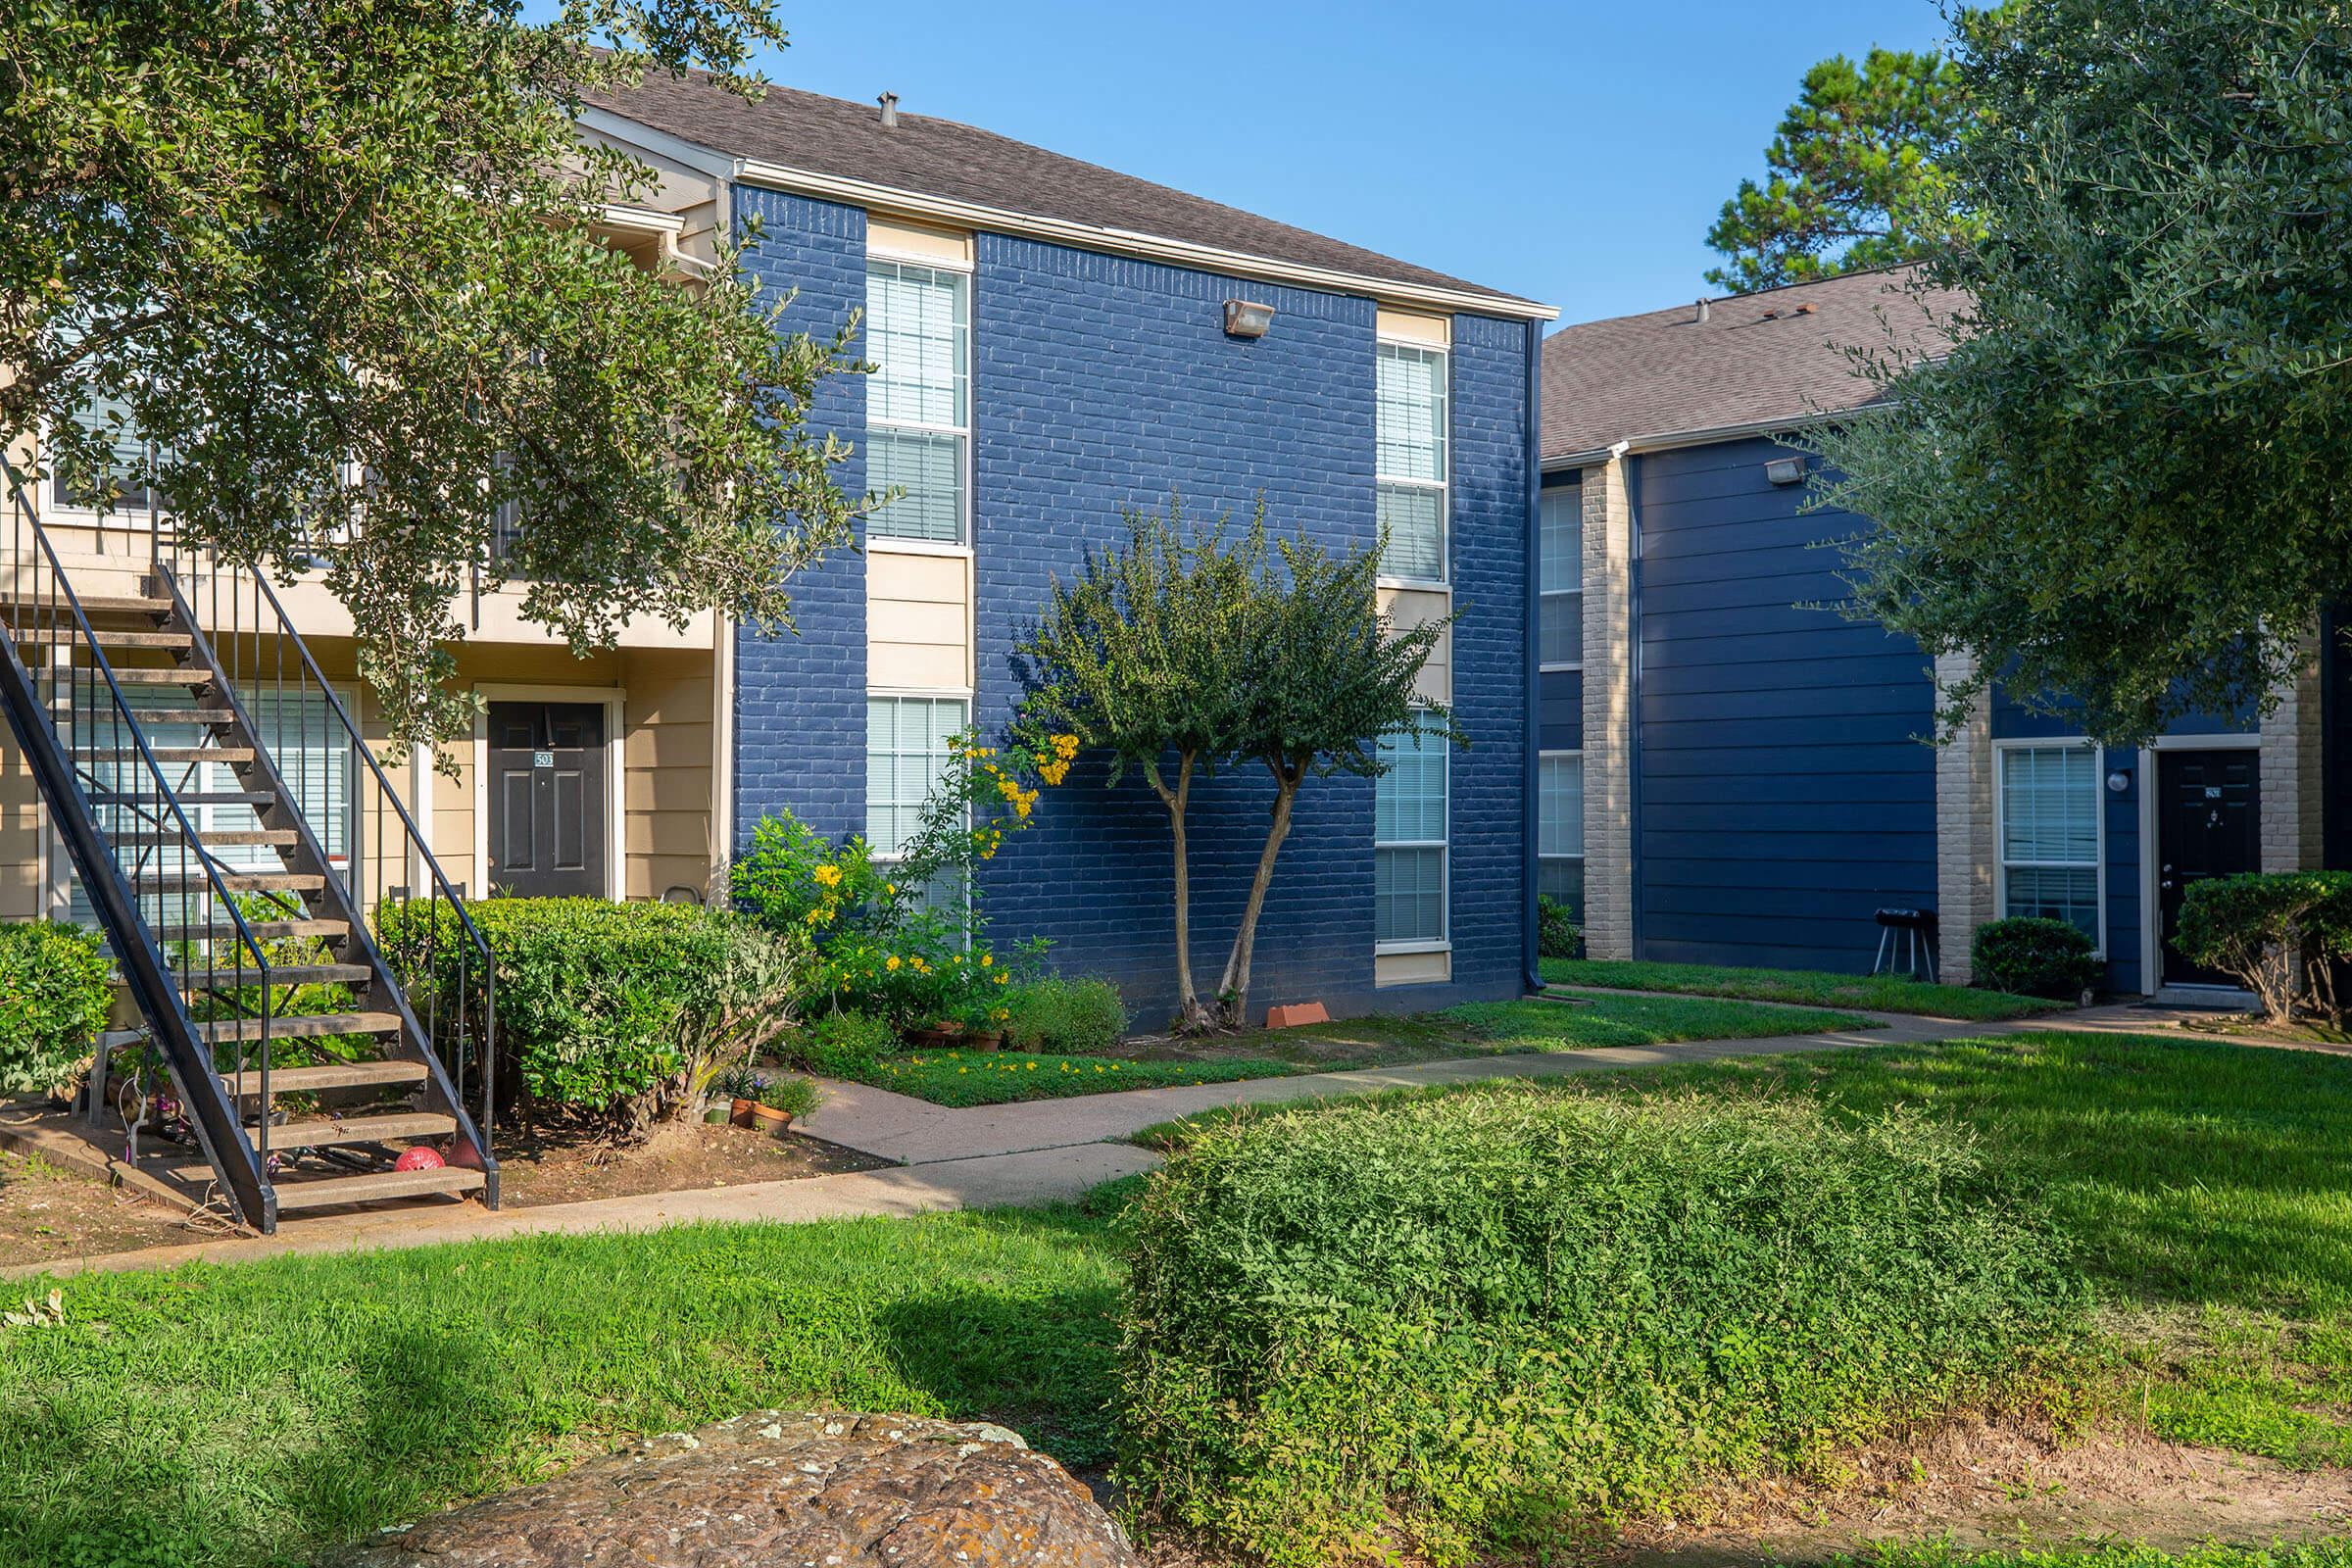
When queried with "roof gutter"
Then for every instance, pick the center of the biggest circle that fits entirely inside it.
(1667, 441)
(1062, 231)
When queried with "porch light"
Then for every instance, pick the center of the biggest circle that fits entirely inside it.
(1785, 470)
(2119, 781)
(1247, 318)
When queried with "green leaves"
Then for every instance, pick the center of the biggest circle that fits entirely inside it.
(334, 259)
(56, 987)
(2123, 490)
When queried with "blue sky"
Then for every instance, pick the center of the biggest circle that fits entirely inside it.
(1576, 152)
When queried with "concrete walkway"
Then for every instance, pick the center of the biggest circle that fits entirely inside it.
(1038, 1151)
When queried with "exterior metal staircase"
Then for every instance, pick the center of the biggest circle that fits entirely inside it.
(174, 721)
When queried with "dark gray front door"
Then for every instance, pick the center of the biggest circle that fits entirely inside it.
(548, 819)
(2208, 824)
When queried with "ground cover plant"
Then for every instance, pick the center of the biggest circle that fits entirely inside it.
(2034, 956)
(1447, 1327)
(999, 1077)
(237, 1417)
(1814, 986)
(55, 986)
(2203, 1183)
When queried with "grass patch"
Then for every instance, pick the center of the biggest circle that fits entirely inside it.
(2315, 1554)
(1808, 987)
(1001, 1077)
(256, 1414)
(950, 1077)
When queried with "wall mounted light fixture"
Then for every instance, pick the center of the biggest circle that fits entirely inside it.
(1247, 318)
(2119, 781)
(1784, 470)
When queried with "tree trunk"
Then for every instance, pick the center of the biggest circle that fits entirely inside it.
(1190, 1016)
(1233, 991)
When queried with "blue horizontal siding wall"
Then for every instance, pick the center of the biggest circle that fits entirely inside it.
(1785, 793)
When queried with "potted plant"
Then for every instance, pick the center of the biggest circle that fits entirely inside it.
(733, 1095)
(780, 1102)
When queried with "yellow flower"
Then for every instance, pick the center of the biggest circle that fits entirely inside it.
(891, 888)
(999, 979)
(893, 963)
(987, 958)
(1033, 1067)
(828, 876)
(1066, 746)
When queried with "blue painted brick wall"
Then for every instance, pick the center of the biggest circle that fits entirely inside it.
(799, 699)
(1100, 382)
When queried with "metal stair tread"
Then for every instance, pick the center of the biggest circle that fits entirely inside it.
(72, 635)
(157, 716)
(338, 1075)
(175, 677)
(172, 753)
(189, 797)
(234, 881)
(320, 1193)
(284, 1026)
(264, 930)
(222, 837)
(226, 975)
(377, 1129)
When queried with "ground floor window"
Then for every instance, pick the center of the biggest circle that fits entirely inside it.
(1409, 813)
(1560, 830)
(906, 754)
(2049, 828)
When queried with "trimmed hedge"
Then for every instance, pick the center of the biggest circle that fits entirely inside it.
(56, 988)
(2280, 934)
(2029, 956)
(1442, 1329)
(1557, 935)
(607, 1011)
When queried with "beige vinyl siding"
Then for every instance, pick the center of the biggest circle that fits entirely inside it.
(1411, 968)
(1408, 608)
(666, 778)
(918, 621)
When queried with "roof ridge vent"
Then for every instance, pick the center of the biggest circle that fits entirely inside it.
(890, 110)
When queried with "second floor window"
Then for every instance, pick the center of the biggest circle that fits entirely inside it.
(1560, 580)
(917, 400)
(1409, 460)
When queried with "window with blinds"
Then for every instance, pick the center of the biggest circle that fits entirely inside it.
(302, 736)
(1409, 463)
(1560, 581)
(1560, 829)
(917, 418)
(2050, 834)
(125, 483)
(1409, 819)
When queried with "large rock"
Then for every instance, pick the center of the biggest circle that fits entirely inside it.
(780, 1490)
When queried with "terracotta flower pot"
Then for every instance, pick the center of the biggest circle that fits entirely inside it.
(771, 1120)
(740, 1112)
(939, 1037)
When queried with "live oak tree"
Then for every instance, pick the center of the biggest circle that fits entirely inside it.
(332, 260)
(2125, 485)
(1189, 651)
(1856, 175)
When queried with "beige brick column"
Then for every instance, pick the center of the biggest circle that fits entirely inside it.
(1965, 848)
(1608, 712)
(2293, 794)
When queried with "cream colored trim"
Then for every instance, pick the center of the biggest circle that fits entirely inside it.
(2098, 788)
(1412, 327)
(615, 703)
(1125, 242)
(891, 545)
(920, 243)
(1424, 968)
(722, 746)
(643, 220)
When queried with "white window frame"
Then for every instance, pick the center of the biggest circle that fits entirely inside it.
(1442, 486)
(1542, 756)
(1443, 941)
(2002, 865)
(55, 508)
(962, 545)
(921, 694)
(1577, 593)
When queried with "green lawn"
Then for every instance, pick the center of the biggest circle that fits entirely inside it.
(1814, 988)
(2209, 1188)
(2317, 1554)
(248, 1415)
(1479, 1029)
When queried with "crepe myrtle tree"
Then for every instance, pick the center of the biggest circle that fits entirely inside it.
(1194, 649)
(332, 260)
(2123, 490)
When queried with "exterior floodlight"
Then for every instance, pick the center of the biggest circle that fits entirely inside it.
(1247, 318)
(1785, 470)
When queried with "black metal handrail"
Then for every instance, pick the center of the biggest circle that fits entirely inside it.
(252, 637)
(100, 813)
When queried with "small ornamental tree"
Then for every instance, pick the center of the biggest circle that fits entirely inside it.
(1188, 651)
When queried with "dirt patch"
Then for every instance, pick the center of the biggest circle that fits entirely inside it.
(556, 1166)
(1986, 1484)
(2254, 1026)
(48, 1212)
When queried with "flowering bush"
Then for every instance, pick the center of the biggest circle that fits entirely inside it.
(905, 940)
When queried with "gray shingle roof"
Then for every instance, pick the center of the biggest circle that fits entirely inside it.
(1757, 357)
(942, 158)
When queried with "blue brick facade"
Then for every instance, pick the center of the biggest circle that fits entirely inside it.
(1100, 382)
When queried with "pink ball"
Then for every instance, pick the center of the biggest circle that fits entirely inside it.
(418, 1159)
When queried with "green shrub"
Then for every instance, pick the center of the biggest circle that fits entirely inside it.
(2033, 957)
(1437, 1329)
(56, 988)
(622, 1013)
(1071, 1017)
(1557, 935)
(2280, 935)
(794, 1097)
(842, 1045)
